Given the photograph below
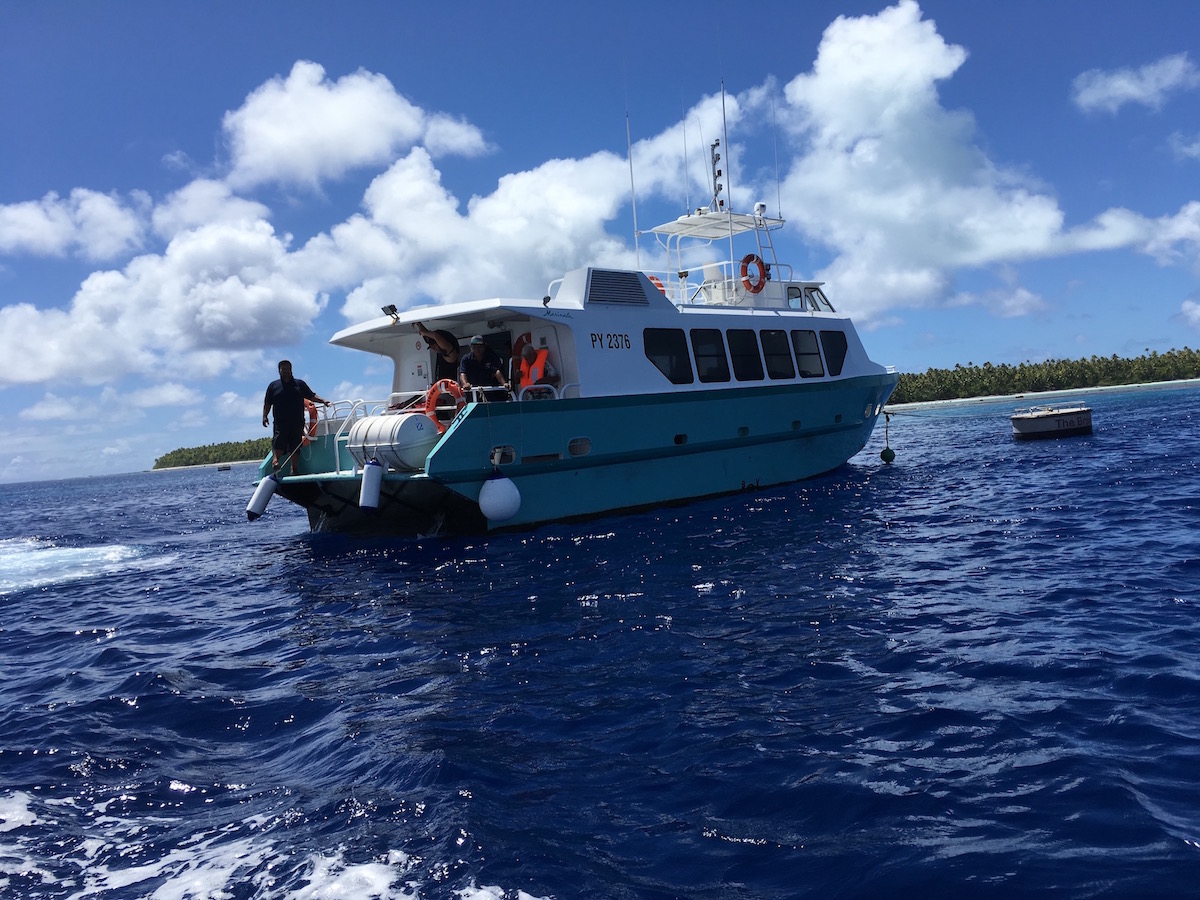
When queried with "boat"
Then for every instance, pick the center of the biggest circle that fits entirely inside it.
(720, 373)
(1051, 421)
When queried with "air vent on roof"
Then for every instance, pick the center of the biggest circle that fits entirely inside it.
(607, 286)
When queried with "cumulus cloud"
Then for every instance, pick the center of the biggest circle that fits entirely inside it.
(899, 191)
(1097, 90)
(304, 129)
(217, 291)
(51, 408)
(1185, 147)
(92, 225)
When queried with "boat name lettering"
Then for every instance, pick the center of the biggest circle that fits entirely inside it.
(611, 341)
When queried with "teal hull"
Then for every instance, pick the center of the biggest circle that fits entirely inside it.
(579, 458)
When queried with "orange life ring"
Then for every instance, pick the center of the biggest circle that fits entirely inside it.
(761, 279)
(445, 386)
(519, 344)
(658, 284)
(310, 431)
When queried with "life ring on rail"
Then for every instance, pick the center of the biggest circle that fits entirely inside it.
(658, 284)
(434, 394)
(310, 430)
(519, 344)
(753, 259)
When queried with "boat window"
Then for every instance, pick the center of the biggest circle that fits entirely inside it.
(779, 358)
(834, 343)
(820, 300)
(709, 347)
(667, 349)
(743, 349)
(808, 357)
(795, 297)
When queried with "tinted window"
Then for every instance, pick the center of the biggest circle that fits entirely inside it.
(743, 348)
(834, 343)
(779, 358)
(667, 349)
(808, 357)
(709, 348)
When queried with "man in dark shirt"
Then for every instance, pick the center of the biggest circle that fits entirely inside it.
(480, 367)
(287, 395)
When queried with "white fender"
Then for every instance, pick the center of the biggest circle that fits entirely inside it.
(262, 496)
(499, 498)
(368, 493)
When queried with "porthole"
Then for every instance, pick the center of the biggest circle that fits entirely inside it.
(579, 446)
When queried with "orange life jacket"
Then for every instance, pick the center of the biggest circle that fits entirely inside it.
(531, 373)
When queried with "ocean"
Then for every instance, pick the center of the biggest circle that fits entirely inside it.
(974, 672)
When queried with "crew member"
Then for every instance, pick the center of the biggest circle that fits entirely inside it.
(286, 395)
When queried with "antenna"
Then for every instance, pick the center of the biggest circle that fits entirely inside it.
(687, 182)
(725, 132)
(637, 251)
(775, 141)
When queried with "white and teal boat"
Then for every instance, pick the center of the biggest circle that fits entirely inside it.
(713, 377)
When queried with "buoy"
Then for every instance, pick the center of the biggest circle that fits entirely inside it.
(368, 493)
(499, 498)
(262, 496)
(887, 454)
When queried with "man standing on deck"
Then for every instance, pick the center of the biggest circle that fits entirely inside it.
(480, 367)
(287, 395)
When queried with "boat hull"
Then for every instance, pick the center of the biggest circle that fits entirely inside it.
(578, 458)
(1051, 423)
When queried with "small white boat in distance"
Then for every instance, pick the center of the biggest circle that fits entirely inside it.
(1051, 421)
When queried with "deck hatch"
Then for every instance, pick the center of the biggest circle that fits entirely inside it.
(614, 287)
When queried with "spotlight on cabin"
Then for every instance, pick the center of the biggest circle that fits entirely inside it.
(390, 310)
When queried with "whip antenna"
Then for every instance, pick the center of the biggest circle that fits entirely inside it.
(632, 192)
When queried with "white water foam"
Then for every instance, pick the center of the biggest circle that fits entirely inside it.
(28, 563)
(208, 864)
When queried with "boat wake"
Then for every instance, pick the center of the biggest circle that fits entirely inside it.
(27, 563)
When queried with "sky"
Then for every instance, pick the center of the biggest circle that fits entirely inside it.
(191, 192)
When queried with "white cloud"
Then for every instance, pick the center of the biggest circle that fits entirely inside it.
(95, 226)
(217, 292)
(203, 202)
(306, 128)
(898, 189)
(1149, 85)
(1185, 147)
(1190, 310)
(51, 408)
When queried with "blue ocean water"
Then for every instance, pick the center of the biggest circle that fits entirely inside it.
(975, 672)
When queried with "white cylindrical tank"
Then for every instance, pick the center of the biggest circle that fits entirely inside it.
(400, 441)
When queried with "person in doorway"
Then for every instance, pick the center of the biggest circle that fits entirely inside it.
(536, 367)
(481, 367)
(446, 346)
(286, 395)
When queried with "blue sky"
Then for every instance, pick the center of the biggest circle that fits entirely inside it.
(189, 192)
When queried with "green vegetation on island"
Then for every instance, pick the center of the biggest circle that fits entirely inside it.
(212, 454)
(1053, 375)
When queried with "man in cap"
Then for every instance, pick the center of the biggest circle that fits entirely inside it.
(480, 367)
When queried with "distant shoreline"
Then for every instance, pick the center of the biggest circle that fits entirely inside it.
(1037, 396)
(213, 465)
